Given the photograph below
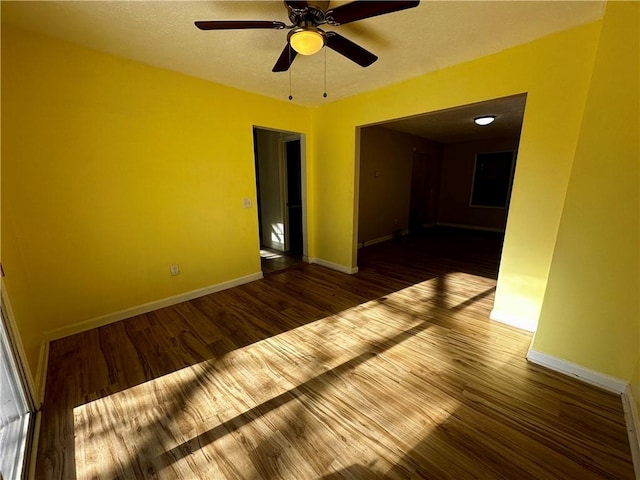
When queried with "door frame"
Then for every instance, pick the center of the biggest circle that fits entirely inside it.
(284, 179)
(288, 136)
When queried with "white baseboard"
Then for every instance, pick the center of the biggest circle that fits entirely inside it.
(586, 375)
(145, 308)
(385, 238)
(31, 469)
(527, 324)
(375, 240)
(470, 227)
(41, 373)
(333, 266)
(633, 427)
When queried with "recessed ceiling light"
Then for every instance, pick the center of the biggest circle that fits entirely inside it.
(486, 120)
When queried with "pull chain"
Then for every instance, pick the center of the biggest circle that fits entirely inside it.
(289, 51)
(325, 73)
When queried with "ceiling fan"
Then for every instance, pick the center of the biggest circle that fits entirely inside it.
(305, 36)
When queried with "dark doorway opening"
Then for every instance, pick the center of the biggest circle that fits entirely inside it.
(279, 162)
(425, 188)
(294, 197)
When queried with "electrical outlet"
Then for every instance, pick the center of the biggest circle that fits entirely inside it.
(246, 203)
(174, 269)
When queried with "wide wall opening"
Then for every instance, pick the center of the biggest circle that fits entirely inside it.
(440, 184)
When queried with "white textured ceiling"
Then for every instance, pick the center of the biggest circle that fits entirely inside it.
(408, 43)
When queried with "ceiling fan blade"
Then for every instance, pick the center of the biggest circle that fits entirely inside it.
(352, 51)
(237, 24)
(285, 59)
(361, 9)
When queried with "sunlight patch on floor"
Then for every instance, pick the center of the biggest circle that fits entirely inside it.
(269, 255)
(303, 380)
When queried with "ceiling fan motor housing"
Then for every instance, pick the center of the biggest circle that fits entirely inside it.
(307, 13)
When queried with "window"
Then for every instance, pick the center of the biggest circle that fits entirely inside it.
(492, 179)
(16, 410)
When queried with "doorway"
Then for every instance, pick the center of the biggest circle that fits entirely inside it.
(280, 173)
(424, 192)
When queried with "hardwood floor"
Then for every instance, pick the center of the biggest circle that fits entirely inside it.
(392, 373)
(273, 261)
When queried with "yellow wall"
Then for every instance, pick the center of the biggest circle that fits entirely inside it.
(635, 386)
(591, 309)
(554, 72)
(112, 171)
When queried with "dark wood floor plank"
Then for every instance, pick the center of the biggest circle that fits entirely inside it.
(393, 373)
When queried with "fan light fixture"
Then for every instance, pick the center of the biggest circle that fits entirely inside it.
(486, 120)
(307, 40)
